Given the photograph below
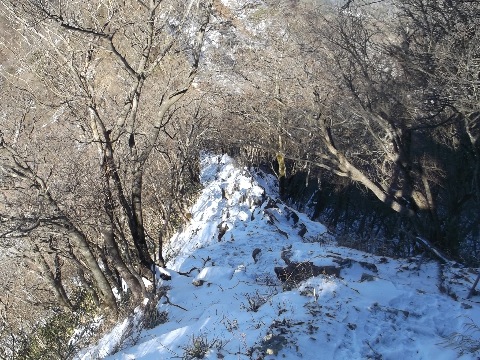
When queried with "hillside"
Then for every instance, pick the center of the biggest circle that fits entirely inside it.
(224, 300)
(367, 112)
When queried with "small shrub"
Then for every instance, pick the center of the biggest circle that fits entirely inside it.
(230, 325)
(256, 300)
(58, 337)
(467, 342)
(153, 318)
(267, 280)
(200, 346)
(51, 340)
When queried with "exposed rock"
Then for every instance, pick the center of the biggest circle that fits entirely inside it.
(255, 254)
(198, 282)
(271, 218)
(295, 218)
(297, 272)
(367, 277)
(303, 230)
(164, 274)
(368, 266)
(292, 215)
(346, 263)
(282, 232)
(286, 254)
(271, 204)
(222, 229)
(272, 344)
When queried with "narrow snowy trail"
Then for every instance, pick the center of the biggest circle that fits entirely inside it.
(225, 301)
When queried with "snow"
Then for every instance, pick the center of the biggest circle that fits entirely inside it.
(224, 303)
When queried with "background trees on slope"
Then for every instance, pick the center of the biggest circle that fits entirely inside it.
(394, 123)
(92, 91)
(373, 93)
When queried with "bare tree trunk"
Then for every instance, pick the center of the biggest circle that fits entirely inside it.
(87, 285)
(167, 212)
(137, 229)
(136, 286)
(22, 169)
(282, 174)
(132, 49)
(53, 279)
(472, 290)
(343, 167)
(101, 281)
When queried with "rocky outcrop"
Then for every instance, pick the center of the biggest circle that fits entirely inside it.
(295, 273)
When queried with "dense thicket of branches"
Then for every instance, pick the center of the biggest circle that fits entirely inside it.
(384, 95)
(97, 153)
(106, 106)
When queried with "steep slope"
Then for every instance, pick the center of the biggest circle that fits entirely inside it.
(225, 301)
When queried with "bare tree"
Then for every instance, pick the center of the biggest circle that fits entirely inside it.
(104, 80)
(386, 106)
(370, 93)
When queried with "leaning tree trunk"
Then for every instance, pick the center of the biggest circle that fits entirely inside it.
(135, 284)
(101, 281)
(136, 225)
(282, 173)
(22, 169)
(53, 279)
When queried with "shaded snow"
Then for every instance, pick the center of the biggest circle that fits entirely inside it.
(379, 308)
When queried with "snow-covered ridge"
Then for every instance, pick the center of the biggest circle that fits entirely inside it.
(225, 301)
(228, 199)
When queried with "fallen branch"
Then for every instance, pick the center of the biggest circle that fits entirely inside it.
(472, 290)
(170, 303)
(427, 245)
(188, 272)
